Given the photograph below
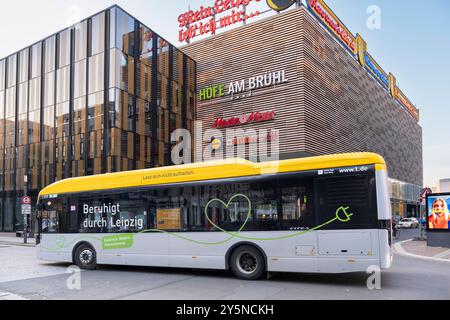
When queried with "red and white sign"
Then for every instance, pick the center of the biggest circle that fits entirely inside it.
(326, 15)
(26, 200)
(254, 117)
(191, 23)
(269, 137)
(423, 194)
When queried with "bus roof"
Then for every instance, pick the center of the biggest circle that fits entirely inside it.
(211, 170)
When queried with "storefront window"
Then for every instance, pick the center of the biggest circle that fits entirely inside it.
(8, 218)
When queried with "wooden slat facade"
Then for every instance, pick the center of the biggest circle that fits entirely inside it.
(330, 105)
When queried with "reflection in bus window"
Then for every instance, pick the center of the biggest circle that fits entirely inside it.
(297, 203)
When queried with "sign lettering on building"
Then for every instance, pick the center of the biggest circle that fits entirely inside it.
(376, 70)
(253, 117)
(320, 9)
(404, 101)
(387, 81)
(203, 21)
(269, 137)
(243, 88)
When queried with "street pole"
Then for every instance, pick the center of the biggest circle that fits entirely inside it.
(25, 217)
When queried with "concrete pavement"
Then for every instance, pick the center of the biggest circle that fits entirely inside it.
(419, 249)
(11, 239)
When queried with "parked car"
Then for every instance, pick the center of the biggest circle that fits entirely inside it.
(408, 223)
(416, 222)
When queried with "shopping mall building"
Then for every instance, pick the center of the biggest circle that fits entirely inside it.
(105, 95)
(324, 93)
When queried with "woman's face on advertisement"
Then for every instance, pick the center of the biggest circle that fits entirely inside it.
(439, 207)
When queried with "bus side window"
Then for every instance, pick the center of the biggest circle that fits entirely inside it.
(297, 203)
(265, 206)
(128, 212)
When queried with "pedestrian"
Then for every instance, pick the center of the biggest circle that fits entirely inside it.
(394, 228)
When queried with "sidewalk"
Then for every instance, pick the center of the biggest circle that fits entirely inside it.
(419, 249)
(11, 239)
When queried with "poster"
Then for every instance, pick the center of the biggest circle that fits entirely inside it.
(168, 219)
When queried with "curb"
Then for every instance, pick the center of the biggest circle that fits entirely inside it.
(399, 249)
(17, 244)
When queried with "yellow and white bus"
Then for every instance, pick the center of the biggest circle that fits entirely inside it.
(328, 214)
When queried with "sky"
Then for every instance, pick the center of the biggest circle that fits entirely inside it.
(412, 42)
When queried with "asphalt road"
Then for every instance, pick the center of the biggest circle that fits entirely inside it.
(22, 276)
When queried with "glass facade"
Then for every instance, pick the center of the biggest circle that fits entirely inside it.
(404, 198)
(101, 96)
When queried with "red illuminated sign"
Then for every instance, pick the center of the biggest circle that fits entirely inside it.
(401, 97)
(269, 137)
(244, 119)
(324, 13)
(192, 22)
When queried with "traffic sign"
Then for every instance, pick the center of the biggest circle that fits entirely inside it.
(425, 191)
(26, 209)
(26, 200)
(423, 195)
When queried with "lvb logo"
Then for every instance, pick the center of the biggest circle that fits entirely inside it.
(280, 5)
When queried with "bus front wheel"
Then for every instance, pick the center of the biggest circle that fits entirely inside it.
(247, 263)
(85, 257)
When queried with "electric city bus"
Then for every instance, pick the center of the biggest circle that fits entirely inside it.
(327, 214)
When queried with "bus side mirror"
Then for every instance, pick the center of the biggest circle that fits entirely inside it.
(39, 207)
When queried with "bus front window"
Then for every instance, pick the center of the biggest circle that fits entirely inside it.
(49, 216)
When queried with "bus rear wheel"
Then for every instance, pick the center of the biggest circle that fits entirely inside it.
(86, 257)
(247, 263)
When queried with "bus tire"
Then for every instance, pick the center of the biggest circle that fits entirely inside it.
(85, 257)
(247, 263)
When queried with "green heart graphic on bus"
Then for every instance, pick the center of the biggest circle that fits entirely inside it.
(227, 205)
